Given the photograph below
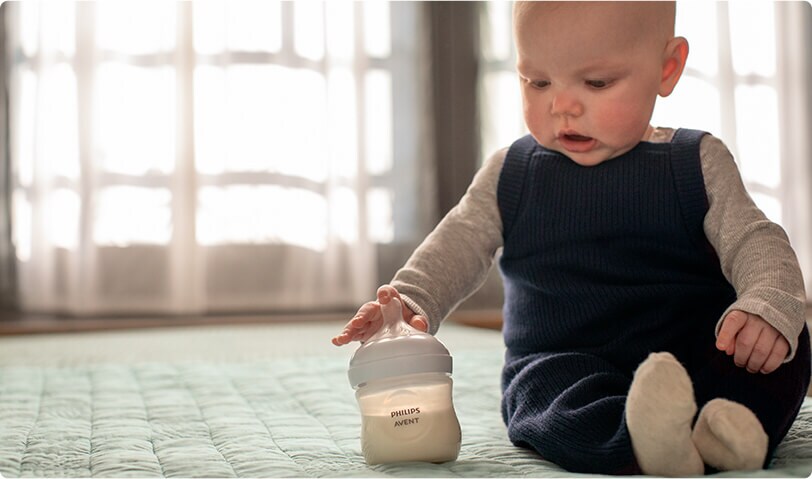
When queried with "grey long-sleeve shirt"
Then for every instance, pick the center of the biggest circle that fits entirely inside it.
(756, 257)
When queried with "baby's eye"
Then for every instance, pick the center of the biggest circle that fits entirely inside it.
(598, 84)
(539, 84)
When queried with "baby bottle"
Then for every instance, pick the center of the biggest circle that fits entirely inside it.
(402, 378)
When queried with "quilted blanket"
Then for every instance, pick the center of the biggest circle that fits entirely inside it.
(276, 417)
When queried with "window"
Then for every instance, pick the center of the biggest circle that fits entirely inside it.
(211, 155)
(730, 88)
(501, 101)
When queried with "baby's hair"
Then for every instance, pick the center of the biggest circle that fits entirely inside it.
(657, 17)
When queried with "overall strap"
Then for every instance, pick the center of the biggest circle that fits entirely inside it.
(689, 182)
(511, 180)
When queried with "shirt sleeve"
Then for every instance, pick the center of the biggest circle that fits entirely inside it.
(455, 258)
(754, 252)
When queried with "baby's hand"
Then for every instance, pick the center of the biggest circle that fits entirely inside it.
(369, 318)
(754, 343)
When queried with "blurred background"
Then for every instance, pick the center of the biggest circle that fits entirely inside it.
(176, 159)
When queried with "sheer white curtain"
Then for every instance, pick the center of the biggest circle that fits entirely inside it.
(186, 157)
(747, 82)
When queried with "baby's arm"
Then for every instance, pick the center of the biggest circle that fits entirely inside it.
(454, 260)
(759, 262)
(449, 265)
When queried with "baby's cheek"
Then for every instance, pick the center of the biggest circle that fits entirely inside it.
(623, 123)
(538, 123)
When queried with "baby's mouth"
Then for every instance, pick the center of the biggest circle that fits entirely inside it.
(577, 138)
(575, 142)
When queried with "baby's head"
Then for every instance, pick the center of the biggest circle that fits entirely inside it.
(591, 72)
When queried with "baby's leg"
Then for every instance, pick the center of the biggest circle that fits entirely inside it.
(774, 399)
(659, 412)
(569, 408)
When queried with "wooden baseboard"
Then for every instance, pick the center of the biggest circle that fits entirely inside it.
(488, 319)
(53, 324)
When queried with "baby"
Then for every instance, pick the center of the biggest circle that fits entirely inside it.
(641, 282)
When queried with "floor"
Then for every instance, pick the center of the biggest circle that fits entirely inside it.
(156, 336)
(243, 342)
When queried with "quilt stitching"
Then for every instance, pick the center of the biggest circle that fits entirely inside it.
(255, 411)
(92, 404)
(233, 397)
(33, 424)
(202, 415)
(283, 449)
(149, 421)
(317, 416)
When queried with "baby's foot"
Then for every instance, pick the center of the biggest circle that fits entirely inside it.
(730, 437)
(659, 410)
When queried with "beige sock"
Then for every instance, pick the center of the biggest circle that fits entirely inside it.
(660, 408)
(730, 437)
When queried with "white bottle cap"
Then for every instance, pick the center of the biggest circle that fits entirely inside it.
(397, 349)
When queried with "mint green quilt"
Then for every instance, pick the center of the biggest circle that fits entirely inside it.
(280, 416)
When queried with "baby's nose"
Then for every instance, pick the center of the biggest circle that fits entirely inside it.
(566, 103)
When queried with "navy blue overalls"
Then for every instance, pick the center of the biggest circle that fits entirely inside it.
(603, 265)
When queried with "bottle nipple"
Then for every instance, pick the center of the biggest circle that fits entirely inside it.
(397, 349)
(393, 323)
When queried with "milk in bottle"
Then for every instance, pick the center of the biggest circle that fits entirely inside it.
(402, 378)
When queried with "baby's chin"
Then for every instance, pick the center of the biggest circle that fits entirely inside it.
(593, 157)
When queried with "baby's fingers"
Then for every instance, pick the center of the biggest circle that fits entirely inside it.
(368, 313)
(733, 323)
(340, 339)
(346, 336)
(777, 356)
(419, 322)
(367, 319)
(761, 350)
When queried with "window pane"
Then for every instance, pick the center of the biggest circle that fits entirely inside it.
(502, 115)
(769, 205)
(45, 116)
(380, 219)
(260, 118)
(58, 136)
(241, 25)
(261, 214)
(210, 123)
(136, 27)
(209, 28)
(757, 134)
(343, 121)
(377, 27)
(497, 34)
(697, 21)
(378, 111)
(29, 26)
(304, 136)
(694, 104)
(308, 33)
(25, 113)
(254, 25)
(135, 120)
(128, 215)
(752, 32)
(63, 218)
(50, 22)
(23, 226)
(340, 30)
(344, 214)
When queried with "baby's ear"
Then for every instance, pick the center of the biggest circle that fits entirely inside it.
(674, 58)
